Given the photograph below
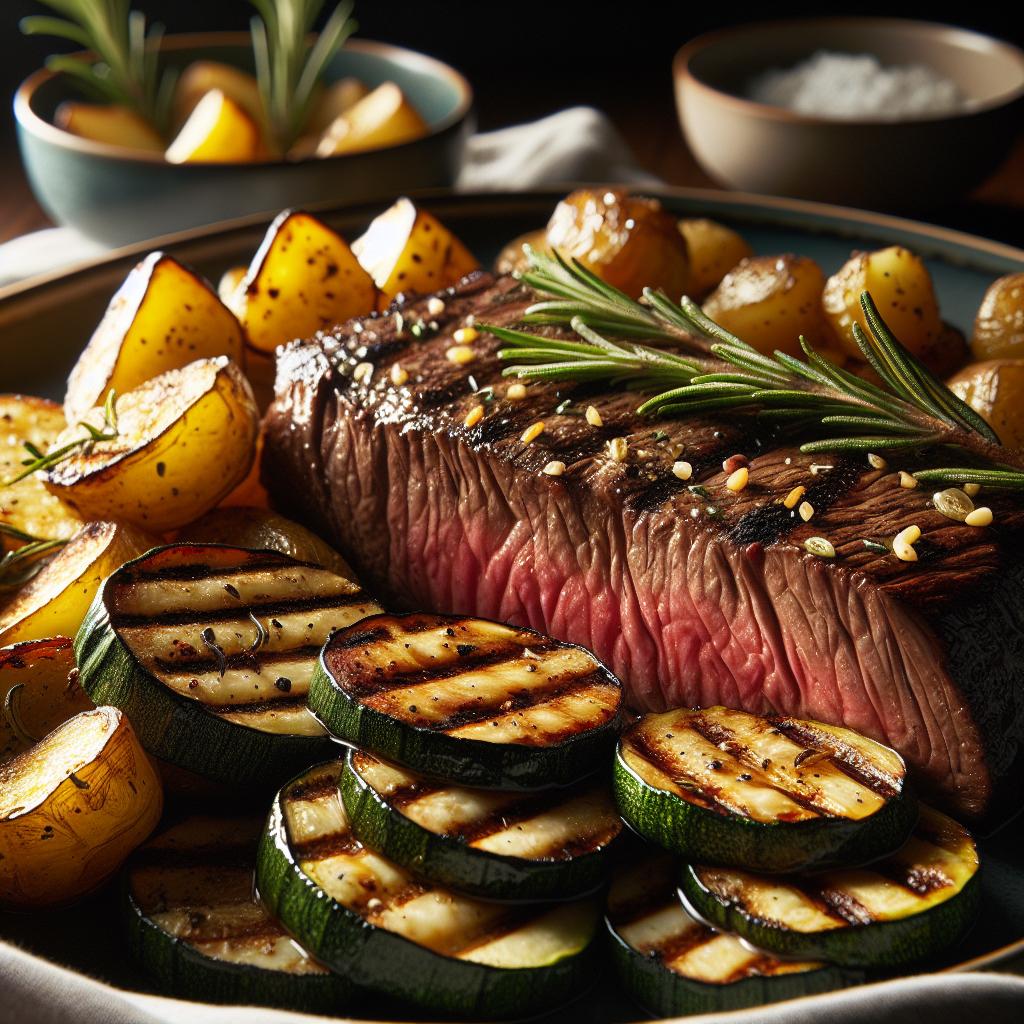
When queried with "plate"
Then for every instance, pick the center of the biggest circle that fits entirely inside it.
(45, 322)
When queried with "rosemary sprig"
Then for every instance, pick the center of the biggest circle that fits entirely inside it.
(19, 565)
(126, 69)
(911, 409)
(287, 67)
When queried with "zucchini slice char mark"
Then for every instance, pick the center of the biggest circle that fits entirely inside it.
(898, 910)
(672, 964)
(503, 845)
(209, 650)
(195, 927)
(768, 793)
(471, 701)
(367, 918)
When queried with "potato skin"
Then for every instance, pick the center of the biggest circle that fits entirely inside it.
(995, 390)
(770, 301)
(714, 251)
(999, 325)
(902, 290)
(630, 242)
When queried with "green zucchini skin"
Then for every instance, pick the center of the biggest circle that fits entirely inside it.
(878, 943)
(706, 834)
(448, 861)
(457, 760)
(376, 959)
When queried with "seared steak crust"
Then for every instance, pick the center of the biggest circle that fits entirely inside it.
(692, 594)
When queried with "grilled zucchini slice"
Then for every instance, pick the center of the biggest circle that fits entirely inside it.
(472, 702)
(365, 917)
(196, 928)
(673, 964)
(496, 844)
(209, 650)
(899, 910)
(767, 793)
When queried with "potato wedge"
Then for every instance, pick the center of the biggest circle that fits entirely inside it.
(72, 808)
(162, 318)
(714, 250)
(28, 506)
(408, 250)
(217, 131)
(183, 441)
(104, 122)
(54, 602)
(384, 117)
(39, 686)
(902, 290)
(303, 278)
(335, 99)
(770, 301)
(512, 258)
(630, 242)
(994, 389)
(202, 77)
(258, 528)
(999, 325)
(229, 282)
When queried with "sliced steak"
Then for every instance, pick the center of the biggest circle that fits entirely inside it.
(692, 594)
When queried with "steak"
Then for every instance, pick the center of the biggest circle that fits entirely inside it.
(692, 594)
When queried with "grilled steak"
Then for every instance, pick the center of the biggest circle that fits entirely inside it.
(690, 593)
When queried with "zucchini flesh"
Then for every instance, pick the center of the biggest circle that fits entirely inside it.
(366, 917)
(673, 964)
(467, 700)
(210, 649)
(196, 928)
(771, 793)
(502, 845)
(903, 908)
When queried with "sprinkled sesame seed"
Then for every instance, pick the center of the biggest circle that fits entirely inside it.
(981, 516)
(460, 354)
(363, 372)
(907, 481)
(972, 490)
(532, 432)
(682, 470)
(694, 513)
(465, 335)
(435, 306)
(594, 417)
(618, 449)
(876, 461)
(789, 461)
(794, 496)
(738, 479)
(399, 375)
(515, 392)
(806, 511)
(474, 416)
(555, 468)
(820, 546)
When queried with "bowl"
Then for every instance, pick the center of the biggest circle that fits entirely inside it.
(118, 197)
(882, 164)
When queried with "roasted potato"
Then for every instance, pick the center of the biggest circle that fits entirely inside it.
(55, 600)
(332, 101)
(408, 250)
(229, 282)
(512, 257)
(999, 325)
(162, 318)
(303, 278)
(217, 131)
(260, 528)
(251, 493)
(108, 123)
(39, 687)
(384, 117)
(631, 243)
(72, 808)
(995, 390)
(901, 287)
(770, 301)
(204, 76)
(714, 250)
(28, 506)
(182, 441)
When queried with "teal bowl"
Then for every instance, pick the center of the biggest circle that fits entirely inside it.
(118, 197)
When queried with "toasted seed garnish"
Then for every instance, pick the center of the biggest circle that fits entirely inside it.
(682, 470)
(794, 496)
(594, 417)
(474, 416)
(515, 392)
(555, 468)
(435, 306)
(806, 511)
(532, 432)
(465, 335)
(460, 354)
(399, 375)
(907, 481)
(820, 546)
(738, 479)
(618, 449)
(363, 372)
(876, 461)
(903, 549)
(911, 534)
(981, 516)
(953, 503)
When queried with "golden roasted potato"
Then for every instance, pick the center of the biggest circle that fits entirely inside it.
(332, 101)
(770, 301)
(55, 600)
(204, 76)
(28, 506)
(631, 243)
(995, 390)
(72, 808)
(162, 318)
(901, 288)
(408, 250)
(999, 325)
(182, 441)
(303, 278)
(384, 117)
(229, 282)
(512, 258)
(714, 250)
(39, 685)
(260, 528)
(250, 492)
(109, 123)
(217, 131)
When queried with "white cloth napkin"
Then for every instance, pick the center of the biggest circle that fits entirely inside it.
(578, 144)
